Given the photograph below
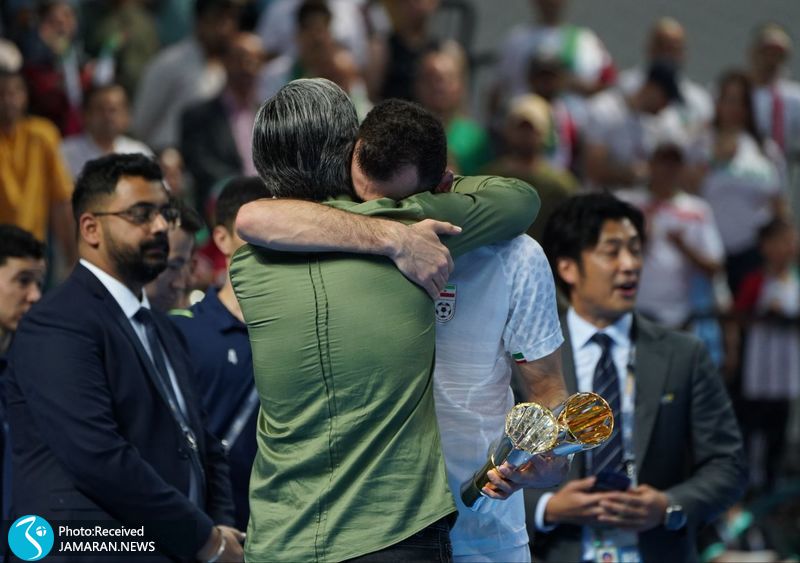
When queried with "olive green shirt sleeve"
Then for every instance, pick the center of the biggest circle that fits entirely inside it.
(489, 209)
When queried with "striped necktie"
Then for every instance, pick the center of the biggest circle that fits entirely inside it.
(606, 384)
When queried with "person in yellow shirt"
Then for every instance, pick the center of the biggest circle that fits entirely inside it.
(35, 186)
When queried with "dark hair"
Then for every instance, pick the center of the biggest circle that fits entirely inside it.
(773, 228)
(100, 176)
(741, 79)
(235, 194)
(397, 133)
(190, 220)
(95, 91)
(204, 7)
(311, 8)
(575, 226)
(18, 243)
(303, 139)
(665, 77)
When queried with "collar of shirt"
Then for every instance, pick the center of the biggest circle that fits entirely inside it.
(581, 330)
(124, 297)
(220, 316)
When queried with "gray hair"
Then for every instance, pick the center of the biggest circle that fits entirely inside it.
(303, 140)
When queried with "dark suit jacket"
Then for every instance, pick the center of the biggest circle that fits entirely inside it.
(208, 147)
(92, 437)
(686, 441)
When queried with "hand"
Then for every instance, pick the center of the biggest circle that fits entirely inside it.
(233, 539)
(540, 472)
(421, 257)
(638, 509)
(575, 504)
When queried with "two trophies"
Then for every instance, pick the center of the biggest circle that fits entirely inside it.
(582, 422)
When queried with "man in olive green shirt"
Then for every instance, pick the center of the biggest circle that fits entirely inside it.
(349, 459)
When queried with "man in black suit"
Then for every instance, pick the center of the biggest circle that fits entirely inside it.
(215, 135)
(677, 437)
(105, 424)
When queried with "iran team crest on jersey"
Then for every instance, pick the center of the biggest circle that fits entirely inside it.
(446, 304)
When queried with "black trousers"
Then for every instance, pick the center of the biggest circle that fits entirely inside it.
(432, 544)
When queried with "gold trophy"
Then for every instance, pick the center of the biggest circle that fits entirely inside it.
(582, 422)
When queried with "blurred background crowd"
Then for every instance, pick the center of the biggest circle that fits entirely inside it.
(712, 159)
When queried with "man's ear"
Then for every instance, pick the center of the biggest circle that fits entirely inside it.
(222, 239)
(446, 183)
(89, 229)
(568, 270)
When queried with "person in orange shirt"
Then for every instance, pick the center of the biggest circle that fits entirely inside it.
(35, 186)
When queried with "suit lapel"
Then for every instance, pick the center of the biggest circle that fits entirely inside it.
(651, 369)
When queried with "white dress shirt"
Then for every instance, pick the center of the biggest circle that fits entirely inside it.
(130, 304)
(586, 353)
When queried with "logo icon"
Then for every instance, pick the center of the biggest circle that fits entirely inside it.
(31, 537)
(445, 306)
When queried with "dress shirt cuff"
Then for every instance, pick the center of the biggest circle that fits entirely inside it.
(538, 518)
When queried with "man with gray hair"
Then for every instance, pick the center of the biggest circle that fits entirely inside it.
(350, 462)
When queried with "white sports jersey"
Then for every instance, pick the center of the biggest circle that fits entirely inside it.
(499, 304)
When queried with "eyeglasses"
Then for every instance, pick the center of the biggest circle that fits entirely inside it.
(145, 213)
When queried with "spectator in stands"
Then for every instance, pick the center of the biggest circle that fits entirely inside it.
(682, 239)
(170, 290)
(35, 185)
(122, 36)
(397, 56)
(215, 135)
(187, 72)
(220, 351)
(733, 171)
(666, 43)
(55, 68)
(547, 78)
(624, 129)
(528, 127)
(776, 99)
(277, 28)
(589, 65)
(106, 118)
(440, 86)
(22, 270)
(769, 300)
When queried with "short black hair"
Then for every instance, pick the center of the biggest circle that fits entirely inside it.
(771, 229)
(398, 133)
(19, 243)
(100, 176)
(311, 8)
(190, 220)
(575, 226)
(205, 7)
(96, 90)
(234, 195)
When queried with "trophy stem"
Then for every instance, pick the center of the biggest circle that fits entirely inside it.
(471, 489)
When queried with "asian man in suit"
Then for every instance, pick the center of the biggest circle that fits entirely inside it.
(105, 424)
(677, 438)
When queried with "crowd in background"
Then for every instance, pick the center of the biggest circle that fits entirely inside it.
(710, 163)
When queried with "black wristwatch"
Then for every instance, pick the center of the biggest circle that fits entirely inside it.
(674, 517)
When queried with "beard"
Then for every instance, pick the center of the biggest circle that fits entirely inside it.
(141, 264)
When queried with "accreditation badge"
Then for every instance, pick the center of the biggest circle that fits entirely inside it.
(446, 304)
(616, 546)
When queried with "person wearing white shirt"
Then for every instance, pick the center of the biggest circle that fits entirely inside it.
(187, 72)
(677, 439)
(106, 118)
(667, 44)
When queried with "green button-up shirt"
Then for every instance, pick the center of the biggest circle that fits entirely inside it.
(349, 459)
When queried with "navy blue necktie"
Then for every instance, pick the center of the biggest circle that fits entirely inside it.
(606, 384)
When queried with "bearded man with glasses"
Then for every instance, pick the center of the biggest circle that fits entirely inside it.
(104, 418)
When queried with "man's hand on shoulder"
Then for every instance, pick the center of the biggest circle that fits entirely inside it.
(420, 255)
